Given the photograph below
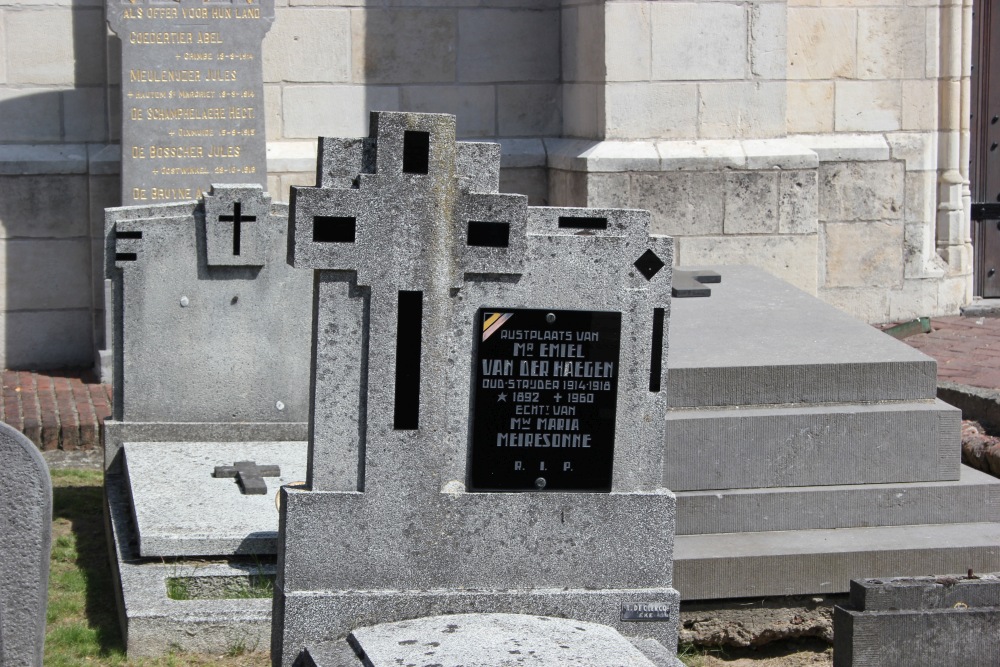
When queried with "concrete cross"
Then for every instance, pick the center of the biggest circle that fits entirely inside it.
(249, 475)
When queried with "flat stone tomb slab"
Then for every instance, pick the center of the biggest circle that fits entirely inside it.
(758, 340)
(180, 509)
(495, 640)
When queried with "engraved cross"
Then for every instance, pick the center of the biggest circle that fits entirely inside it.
(237, 218)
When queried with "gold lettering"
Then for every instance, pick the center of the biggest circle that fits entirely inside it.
(164, 75)
(161, 37)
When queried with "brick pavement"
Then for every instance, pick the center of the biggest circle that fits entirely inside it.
(63, 410)
(967, 349)
(56, 409)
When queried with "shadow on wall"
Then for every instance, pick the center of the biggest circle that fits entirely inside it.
(52, 195)
(497, 69)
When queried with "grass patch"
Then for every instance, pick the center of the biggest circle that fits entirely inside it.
(220, 588)
(82, 620)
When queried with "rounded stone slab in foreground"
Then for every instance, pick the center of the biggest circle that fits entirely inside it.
(25, 540)
(495, 640)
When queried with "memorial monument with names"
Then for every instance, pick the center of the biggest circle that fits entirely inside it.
(501, 368)
(192, 96)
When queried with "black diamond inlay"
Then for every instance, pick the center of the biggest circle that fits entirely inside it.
(649, 264)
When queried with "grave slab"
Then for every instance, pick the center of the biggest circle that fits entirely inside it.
(496, 640)
(153, 624)
(758, 340)
(181, 509)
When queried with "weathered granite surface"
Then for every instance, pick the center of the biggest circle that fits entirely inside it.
(25, 541)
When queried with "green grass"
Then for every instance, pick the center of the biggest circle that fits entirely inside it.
(82, 621)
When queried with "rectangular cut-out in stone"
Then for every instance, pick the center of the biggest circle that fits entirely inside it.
(416, 147)
(488, 234)
(545, 391)
(192, 96)
(334, 229)
(582, 222)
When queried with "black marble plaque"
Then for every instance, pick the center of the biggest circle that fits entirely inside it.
(192, 95)
(544, 397)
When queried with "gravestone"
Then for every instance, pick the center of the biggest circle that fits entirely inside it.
(25, 540)
(192, 100)
(211, 369)
(192, 96)
(508, 385)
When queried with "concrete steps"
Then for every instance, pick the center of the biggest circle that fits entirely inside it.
(975, 497)
(735, 565)
(811, 445)
(807, 449)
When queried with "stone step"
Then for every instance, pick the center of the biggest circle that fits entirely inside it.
(974, 497)
(732, 348)
(808, 562)
(811, 445)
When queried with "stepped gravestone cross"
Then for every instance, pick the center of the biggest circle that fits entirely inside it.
(505, 375)
(25, 540)
(192, 96)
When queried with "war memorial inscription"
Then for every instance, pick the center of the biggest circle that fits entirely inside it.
(192, 95)
(544, 399)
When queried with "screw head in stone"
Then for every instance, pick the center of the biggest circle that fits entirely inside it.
(540, 483)
(550, 318)
(279, 405)
(184, 302)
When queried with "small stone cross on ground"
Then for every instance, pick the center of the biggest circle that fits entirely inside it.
(249, 475)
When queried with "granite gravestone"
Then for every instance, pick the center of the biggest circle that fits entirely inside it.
(420, 263)
(211, 372)
(25, 540)
(192, 95)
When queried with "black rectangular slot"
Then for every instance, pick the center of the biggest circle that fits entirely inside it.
(125, 257)
(580, 222)
(409, 324)
(416, 151)
(656, 354)
(488, 234)
(334, 229)
(128, 235)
